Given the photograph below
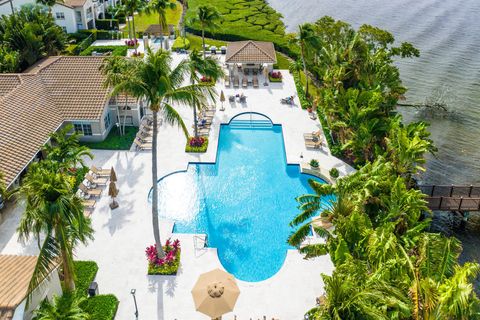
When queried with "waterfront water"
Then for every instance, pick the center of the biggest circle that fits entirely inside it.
(447, 32)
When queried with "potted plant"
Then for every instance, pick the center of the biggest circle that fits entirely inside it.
(314, 163)
(169, 264)
(334, 174)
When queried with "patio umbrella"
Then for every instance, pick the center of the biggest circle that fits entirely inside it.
(265, 73)
(215, 293)
(113, 192)
(222, 100)
(113, 175)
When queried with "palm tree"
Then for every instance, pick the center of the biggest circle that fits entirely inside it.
(307, 40)
(207, 67)
(131, 7)
(161, 85)
(207, 17)
(161, 7)
(52, 208)
(65, 307)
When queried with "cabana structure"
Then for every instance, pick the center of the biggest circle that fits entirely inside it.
(250, 55)
(156, 30)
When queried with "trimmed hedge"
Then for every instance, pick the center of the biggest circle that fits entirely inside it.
(301, 93)
(180, 43)
(100, 34)
(101, 307)
(86, 271)
(119, 51)
(104, 24)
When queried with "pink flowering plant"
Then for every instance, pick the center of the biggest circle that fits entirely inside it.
(275, 76)
(167, 265)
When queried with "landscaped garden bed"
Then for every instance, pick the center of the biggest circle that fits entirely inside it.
(169, 264)
(275, 76)
(120, 51)
(114, 141)
(199, 144)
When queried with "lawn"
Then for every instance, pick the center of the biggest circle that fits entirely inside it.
(142, 21)
(282, 62)
(196, 42)
(114, 141)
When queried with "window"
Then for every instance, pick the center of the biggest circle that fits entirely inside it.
(64, 29)
(60, 15)
(107, 121)
(83, 128)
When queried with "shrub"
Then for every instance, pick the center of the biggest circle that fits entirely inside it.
(314, 163)
(101, 307)
(106, 24)
(167, 265)
(120, 51)
(86, 272)
(304, 102)
(334, 173)
(199, 144)
(275, 76)
(180, 43)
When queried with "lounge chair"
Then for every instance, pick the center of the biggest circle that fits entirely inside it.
(231, 98)
(91, 179)
(236, 82)
(314, 136)
(244, 82)
(89, 203)
(255, 81)
(141, 145)
(144, 138)
(93, 192)
(144, 133)
(227, 81)
(313, 145)
(99, 172)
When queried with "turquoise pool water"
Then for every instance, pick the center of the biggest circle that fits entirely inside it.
(244, 202)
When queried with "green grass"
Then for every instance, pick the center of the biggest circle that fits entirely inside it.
(282, 62)
(142, 21)
(118, 51)
(86, 271)
(114, 141)
(196, 42)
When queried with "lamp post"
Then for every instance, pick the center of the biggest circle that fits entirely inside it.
(135, 302)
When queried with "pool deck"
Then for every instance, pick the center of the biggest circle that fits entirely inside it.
(122, 235)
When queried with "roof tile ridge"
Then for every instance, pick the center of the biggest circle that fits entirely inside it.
(50, 96)
(20, 79)
(265, 53)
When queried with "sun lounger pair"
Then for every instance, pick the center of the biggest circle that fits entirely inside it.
(144, 138)
(312, 144)
(96, 192)
(314, 136)
(142, 145)
(244, 82)
(255, 81)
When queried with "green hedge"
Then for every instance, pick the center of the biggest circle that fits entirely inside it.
(104, 24)
(86, 272)
(99, 34)
(101, 307)
(180, 43)
(119, 51)
(301, 92)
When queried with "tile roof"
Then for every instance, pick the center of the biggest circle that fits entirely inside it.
(35, 103)
(74, 3)
(250, 52)
(15, 275)
(157, 29)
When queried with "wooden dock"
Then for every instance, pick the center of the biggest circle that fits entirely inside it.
(452, 198)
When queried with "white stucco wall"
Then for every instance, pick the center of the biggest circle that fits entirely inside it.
(69, 21)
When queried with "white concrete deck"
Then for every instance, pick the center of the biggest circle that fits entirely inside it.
(122, 235)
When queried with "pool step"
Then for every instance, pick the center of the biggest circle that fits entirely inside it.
(250, 124)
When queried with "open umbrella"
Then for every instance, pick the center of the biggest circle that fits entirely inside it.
(113, 192)
(215, 293)
(265, 73)
(113, 175)
(222, 100)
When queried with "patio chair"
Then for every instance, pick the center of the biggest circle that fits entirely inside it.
(99, 172)
(144, 138)
(144, 133)
(93, 192)
(227, 81)
(91, 179)
(255, 81)
(89, 203)
(244, 82)
(313, 145)
(231, 98)
(314, 136)
(236, 82)
(139, 145)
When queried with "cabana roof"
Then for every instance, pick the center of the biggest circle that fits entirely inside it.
(157, 29)
(257, 52)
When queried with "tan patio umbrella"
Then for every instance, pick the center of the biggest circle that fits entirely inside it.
(215, 293)
(265, 74)
(113, 192)
(222, 100)
(113, 175)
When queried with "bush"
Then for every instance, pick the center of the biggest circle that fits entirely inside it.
(104, 24)
(119, 51)
(198, 145)
(314, 163)
(101, 307)
(131, 43)
(275, 76)
(180, 43)
(164, 266)
(334, 173)
(86, 272)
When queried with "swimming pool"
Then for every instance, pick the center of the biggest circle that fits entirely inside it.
(244, 202)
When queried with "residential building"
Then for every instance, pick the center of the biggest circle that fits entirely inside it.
(55, 92)
(15, 275)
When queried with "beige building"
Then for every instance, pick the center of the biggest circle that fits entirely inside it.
(15, 275)
(57, 91)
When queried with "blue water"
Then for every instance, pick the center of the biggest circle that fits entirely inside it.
(244, 202)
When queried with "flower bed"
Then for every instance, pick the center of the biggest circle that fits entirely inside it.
(167, 265)
(199, 144)
(131, 43)
(275, 76)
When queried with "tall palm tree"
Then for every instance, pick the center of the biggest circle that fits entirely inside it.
(161, 7)
(132, 7)
(207, 17)
(307, 40)
(53, 208)
(207, 67)
(161, 85)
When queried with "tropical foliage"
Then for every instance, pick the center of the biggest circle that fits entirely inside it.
(65, 307)
(206, 18)
(27, 36)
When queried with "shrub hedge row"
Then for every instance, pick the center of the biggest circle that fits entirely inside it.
(86, 271)
(119, 51)
(106, 24)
